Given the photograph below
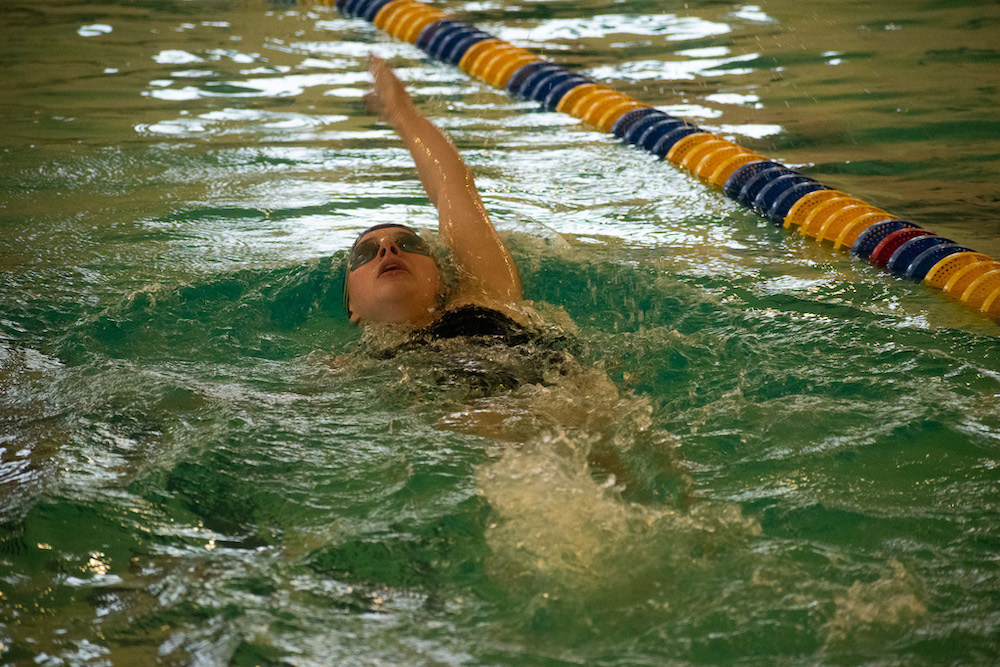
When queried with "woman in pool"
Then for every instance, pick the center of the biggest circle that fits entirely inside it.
(392, 277)
(521, 381)
(475, 336)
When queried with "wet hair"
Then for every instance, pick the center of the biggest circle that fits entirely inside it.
(347, 258)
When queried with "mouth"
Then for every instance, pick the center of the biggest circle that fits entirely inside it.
(390, 266)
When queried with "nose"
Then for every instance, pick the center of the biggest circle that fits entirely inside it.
(387, 245)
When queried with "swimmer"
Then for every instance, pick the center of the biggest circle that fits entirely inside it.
(477, 335)
(518, 378)
(392, 277)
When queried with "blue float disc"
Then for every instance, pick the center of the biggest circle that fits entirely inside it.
(775, 188)
(444, 39)
(430, 30)
(351, 7)
(369, 11)
(628, 118)
(787, 199)
(529, 81)
(445, 31)
(928, 259)
(657, 130)
(872, 236)
(759, 181)
(637, 129)
(739, 178)
(452, 49)
(561, 89)
(523, 72)
(904, 255)
(538, 87)
(667, 141)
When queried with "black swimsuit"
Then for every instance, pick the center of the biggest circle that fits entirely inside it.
(484, 324)
(485, 352)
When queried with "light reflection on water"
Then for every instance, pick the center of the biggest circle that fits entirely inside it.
(579, 30)
(202, 477)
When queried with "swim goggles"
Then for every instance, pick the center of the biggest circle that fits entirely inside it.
(366, 251)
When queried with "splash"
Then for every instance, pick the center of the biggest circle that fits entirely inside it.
(868, 611)
(557, 523)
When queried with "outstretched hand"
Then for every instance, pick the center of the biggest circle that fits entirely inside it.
(388, 96)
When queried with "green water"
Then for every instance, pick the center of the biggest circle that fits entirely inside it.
(197, 466)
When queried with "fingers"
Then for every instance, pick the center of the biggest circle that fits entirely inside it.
(388, 94)
(373, 99)
(385, 78)
(376, 65)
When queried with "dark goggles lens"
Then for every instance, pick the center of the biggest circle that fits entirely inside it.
(366, 251)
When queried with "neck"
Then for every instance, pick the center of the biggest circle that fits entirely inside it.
(405, 314)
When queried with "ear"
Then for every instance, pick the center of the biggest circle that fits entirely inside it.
(347, 297)
(350, 311)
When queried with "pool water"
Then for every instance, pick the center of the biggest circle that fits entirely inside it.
(769, 453)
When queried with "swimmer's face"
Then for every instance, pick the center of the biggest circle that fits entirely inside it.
(392, 279)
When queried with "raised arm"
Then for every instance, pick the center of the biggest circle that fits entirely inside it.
(488, 275)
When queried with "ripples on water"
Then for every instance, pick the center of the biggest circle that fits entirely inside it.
(794, 460)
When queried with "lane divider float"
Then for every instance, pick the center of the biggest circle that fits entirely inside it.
(783, 195)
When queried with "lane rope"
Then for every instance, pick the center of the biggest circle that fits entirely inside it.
(784, 196)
